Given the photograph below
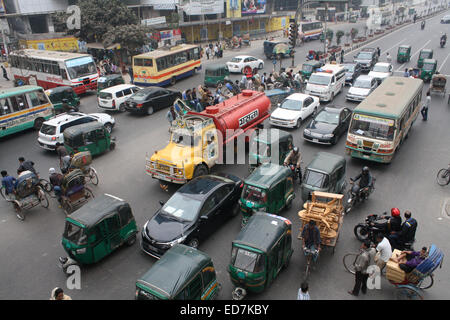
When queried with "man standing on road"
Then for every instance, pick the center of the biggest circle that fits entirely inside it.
(425, 107)
(384, 251)
(26, 166)
(379, 51)
(361, 264)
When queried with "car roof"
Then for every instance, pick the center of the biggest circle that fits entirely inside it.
(326, 162)
(118, 87)
(65, 117)
(202, 186)
(364, 77)
(382, 64)
(298, 96)
(242, 56)
(369, 49)
(334, 108)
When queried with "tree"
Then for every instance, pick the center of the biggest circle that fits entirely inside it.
(339, 35)
(130, 37)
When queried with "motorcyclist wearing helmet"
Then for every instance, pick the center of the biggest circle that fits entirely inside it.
(365, 180)
(393, 223)
(406, 234)
(294, 158)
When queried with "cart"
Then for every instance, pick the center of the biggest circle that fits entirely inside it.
(438, 83)
(411, 288)
(327, 210)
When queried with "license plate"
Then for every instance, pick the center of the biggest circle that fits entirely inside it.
(315, 140)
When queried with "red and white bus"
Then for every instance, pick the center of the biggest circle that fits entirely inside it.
(49, 69)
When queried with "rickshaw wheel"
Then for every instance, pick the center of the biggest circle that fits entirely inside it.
(131, 240)
(406, 293)
(93, 177)
(194, 243)
(19, 213)
(43, 199)
(88, 194)
(427, 282)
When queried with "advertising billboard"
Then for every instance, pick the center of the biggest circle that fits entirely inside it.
(233, 8)
(253, 7)
(199, 7)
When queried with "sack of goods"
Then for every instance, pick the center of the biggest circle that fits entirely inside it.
(393, 271)
(81, 159)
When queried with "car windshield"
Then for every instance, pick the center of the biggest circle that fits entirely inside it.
(247, 261)
(74, 234)
(236, 60)
(185, 139)
(48, 129)
(307, 68)
(349, 67)
(380, 68)
(403, 50)
(364, 56)
(372, 127)
(81, 67)
(182, 207)
(254, 194)
(428, 66)
(292, 104)
(105, 95)
(140, 96)
(316, 179)
(327, 117)
(424, 55)
(362, 83)
(320, 79)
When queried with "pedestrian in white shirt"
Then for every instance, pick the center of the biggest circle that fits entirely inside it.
(303, 293)
(384, 251)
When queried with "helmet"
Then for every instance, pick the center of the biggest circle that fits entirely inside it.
(295, 149)
(395, 212)
(365, 169)
(51, 171)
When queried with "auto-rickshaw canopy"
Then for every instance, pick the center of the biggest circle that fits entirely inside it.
(80, 129)
(270, 137)
(262, 231)
(99, 209)
(426, 53)
(404, 48)
(267, 175)
(431, 62)
(216, 70)
(177, 266)
(326, 162)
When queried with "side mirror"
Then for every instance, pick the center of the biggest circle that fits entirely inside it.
(161, 202)
(278, 104)
(204, 218)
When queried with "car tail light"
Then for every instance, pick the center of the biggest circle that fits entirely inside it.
(53, 138)
(139, 105)
(114, 103)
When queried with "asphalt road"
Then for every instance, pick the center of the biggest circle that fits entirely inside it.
(29, 250)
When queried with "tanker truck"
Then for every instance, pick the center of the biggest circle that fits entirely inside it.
(198, 139)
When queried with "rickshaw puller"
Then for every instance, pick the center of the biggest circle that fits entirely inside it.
(311, 239)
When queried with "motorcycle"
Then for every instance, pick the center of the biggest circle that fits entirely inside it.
(355, 194)
(369, 231)
(443, 43)
(422, 26)
(296, 172)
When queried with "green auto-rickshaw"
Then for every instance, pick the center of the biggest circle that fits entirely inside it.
(182, 273)
(269, 188)
(326, 173)
(216, 74)
(428, 69)
(404, 53)
(269, 146)
(309, 67)
(64, 94)
(97, 229)
(91, 136)
(424, 54)
(108, 81)
(259, 252)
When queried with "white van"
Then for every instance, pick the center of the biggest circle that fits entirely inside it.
(113, 98)
(326, 82)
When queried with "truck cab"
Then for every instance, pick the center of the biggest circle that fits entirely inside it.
(193, 149)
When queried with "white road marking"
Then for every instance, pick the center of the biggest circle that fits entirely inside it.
(443, 62)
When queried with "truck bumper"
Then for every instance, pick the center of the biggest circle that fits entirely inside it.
(164, 177)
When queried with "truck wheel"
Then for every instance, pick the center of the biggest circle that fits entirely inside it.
(194, 243)
(200, 170)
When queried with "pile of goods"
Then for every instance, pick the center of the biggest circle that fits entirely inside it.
(393, 271)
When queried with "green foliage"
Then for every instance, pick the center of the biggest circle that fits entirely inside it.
(339, 35)
(353, 33)
(130, 37)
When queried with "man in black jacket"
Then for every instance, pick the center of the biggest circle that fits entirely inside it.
(406, 234)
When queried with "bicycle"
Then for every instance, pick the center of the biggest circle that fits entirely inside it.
(443, 176)
(309, 258)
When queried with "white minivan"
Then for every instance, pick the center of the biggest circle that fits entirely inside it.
(326, 82)
(114, 98)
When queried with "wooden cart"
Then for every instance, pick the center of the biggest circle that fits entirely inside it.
(327, 210)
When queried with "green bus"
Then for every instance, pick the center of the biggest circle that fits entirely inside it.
(22, 108)
(382, 121)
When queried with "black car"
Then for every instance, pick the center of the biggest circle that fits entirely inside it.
(328, 125)
(352, 71)
(149, 100)
(195, 211)
(367, 59)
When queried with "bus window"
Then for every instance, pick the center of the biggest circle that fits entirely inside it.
(18, 103)
(4, 106)
(138, 62)
(161, 62)
(148, 62)
(170, 61)
(33, 100)
(43, 98)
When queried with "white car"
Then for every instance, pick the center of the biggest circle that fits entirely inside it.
(381, 71)
(114, 98)
(52, 130)
(363, 86)
(293, 110)
(239, 63)
(445, 19)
